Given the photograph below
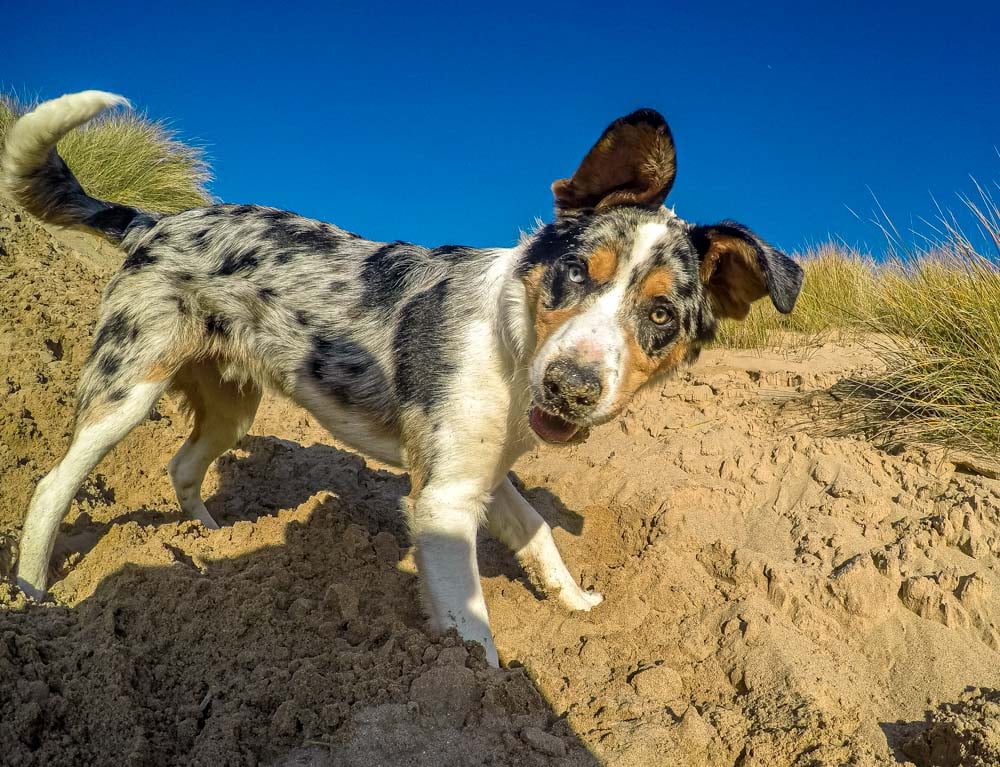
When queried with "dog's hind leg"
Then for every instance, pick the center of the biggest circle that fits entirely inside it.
(101, 424)
(517, 524)
(223, 413)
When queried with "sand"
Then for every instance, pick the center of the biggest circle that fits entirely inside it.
(775, 595)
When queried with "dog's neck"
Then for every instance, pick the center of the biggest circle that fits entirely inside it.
(514, 330)
(514, 326)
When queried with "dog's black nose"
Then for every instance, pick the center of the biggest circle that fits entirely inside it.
(570, 388)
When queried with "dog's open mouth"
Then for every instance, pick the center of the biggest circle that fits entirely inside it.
(551, 427)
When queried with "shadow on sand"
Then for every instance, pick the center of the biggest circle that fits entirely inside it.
(307, 648)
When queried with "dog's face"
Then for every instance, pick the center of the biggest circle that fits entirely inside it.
(621, 291)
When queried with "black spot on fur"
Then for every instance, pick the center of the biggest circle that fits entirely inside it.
(243, 262)
(293, 235)
(451, 253)
(117, 395)
(323, 237)
(216, 325)
(302, 318)
(115, 330)
(659, 256)
(384, 274)
(139, 258)
(110, 364)
(346, 371)
(200, 239)
(553, 242)
(161, 236)
(421, 348)
(686, 288)
(705, 325)
(242, 210)
(339, 287)
(272, 216)
(347, 356)
(183, 277)
(266, 295)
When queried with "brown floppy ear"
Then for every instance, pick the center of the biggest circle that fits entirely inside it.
(632, 163)
(737, 268)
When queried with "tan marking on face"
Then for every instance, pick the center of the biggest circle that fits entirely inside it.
(533, 283)
(547, 321)
(602, 263)
(658, 282)
(640, 368)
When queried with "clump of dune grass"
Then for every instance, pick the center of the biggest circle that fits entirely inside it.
(127, 158)
(939, 311)
(838, 295)
(931, 315)
(8, 113)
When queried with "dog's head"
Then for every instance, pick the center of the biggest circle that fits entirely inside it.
(621, 291)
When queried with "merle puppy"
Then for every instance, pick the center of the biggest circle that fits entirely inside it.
(450, 362)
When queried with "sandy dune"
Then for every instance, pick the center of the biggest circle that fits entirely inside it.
(774, 595)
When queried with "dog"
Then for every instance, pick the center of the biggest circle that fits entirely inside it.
(449, 362)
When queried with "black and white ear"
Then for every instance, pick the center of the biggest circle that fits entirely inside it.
(632, 163)
(737, 268)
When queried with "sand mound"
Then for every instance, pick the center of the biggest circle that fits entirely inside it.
(774, 595)
(963, 734)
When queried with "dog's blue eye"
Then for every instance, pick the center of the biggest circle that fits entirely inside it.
(577, 274)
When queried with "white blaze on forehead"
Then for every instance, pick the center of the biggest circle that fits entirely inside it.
(646, 237)
(596, 336)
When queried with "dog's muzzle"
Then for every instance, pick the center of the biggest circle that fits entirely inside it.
(567, 397)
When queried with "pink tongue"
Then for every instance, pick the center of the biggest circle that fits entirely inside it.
(550, 427)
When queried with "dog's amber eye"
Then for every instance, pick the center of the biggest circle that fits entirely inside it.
(577, 273)
(660, 316)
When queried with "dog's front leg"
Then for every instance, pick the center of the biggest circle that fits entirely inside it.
(516, 523)
(444, 520)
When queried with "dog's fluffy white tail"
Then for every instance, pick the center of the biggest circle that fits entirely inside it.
(34, 175)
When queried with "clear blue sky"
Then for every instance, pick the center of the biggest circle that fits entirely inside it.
(447, 125)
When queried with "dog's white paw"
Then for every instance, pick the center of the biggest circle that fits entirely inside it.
(201, 514)
(579, 599)
(492, 657)
(31, 591)
(211, 524)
